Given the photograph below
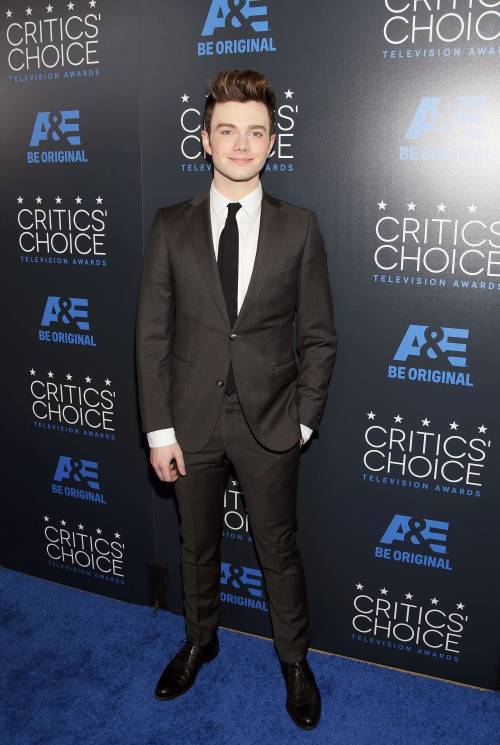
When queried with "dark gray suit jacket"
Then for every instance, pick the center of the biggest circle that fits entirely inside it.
(185, 342)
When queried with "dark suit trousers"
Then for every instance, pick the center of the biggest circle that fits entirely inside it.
(268, 480)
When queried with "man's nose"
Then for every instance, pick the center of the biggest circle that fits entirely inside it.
(241, 142)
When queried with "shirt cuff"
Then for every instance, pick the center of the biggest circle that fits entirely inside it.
(160, 437)
(306, 432)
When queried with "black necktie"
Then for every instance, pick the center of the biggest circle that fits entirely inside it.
(227, 261)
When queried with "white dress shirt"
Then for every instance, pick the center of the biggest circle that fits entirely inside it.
(248, 219)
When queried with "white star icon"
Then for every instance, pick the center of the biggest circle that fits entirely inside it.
(46, 518)
(71, 6)
(434, 601)
(359, 586)
(80, 526)
(398, 419)
(482, 429)
(472, 208)
(58, 200)
(107, 381)
(32, 372)
(69, 376)
(185, 98)
(19, 200)
(98, 530)
(50, 374)
(92, 3)
(411, 206)
(371, 415)
(460, 606)
(117, 535)
(453, 425)
(382, 205)
(28, 11)
(87, 379)
(425, 422)
(38, 200)
(49, 8)
(383, 591)
(78, 200)
(441, 207)
(8, 13)
(99, 200)
(409, 596)
(289, 93)
(63, 522)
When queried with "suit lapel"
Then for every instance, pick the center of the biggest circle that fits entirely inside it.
(269, 244)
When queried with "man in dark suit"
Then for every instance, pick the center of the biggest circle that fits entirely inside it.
(227, 278)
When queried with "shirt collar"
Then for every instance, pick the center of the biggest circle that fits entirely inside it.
(250, 202)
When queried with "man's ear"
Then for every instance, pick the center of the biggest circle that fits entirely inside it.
(205, 140)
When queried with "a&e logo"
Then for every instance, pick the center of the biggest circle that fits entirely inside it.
(54, 133)
(419, 541)
(69, 316)
(78, 478)
(436, 345)
(230, 16)
(247, 584)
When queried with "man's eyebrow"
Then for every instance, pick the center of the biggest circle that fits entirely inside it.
(250, 126)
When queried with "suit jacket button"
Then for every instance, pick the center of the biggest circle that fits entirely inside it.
(233, 336)
(220, 383)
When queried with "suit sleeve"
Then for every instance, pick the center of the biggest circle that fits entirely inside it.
(155, 331)
(316, 335)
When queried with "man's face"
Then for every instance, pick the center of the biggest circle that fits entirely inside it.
(239, 140)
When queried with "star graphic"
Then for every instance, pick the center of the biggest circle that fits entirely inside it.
(434, 601)
(425, 422)
(398, 419)
(382, 205)
(28, 11)
(460, 606)
(49, 8)
(63, 522)
(78, 200)
(289, 93)
(99, 200)
(107, 381)
(87, 379)
(117, 535)
(98, 530)
(383, 591)
(46, 518)
(409, 596)
(71, 6)
(38, 200)
(371, 415)
(69, 376)
(50, 374)
(359, 586)
(32, 372)
(411, 206)
(185, 98)
(453, 425)
(19, 200)
(8, 13)
(482, 429)
(80, 526)
(441, 207)
(92, 3)
(58, 200)
(472, 208)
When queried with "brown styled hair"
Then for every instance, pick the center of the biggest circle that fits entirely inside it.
(239, 85)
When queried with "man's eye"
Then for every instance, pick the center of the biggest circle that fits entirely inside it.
(259, 134)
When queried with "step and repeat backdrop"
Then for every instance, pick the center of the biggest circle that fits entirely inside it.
(388, 116)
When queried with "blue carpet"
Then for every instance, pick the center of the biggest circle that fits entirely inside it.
(80, 668)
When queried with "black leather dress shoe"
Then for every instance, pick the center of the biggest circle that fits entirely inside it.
(181, 671)
(303, 701)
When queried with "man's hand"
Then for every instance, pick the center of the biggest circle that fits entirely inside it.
(160, 458)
